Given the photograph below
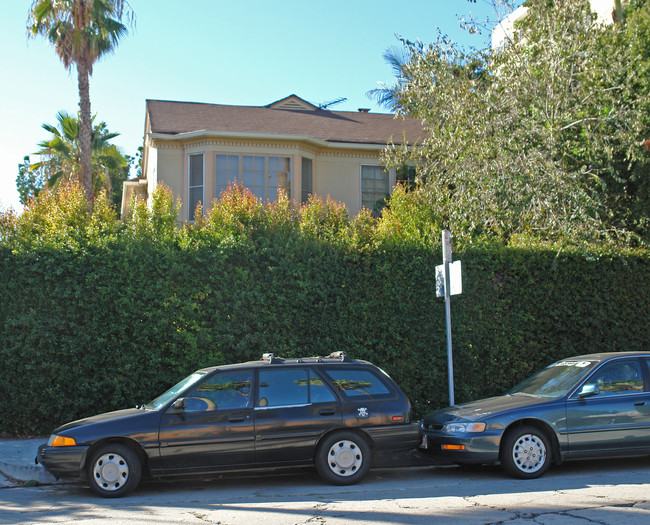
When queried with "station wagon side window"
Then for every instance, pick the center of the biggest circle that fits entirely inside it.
(319, 392)
(221, 391)
(618, 377)
(358, 384)
(283, 387)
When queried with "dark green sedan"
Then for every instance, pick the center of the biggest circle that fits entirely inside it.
(590, 406)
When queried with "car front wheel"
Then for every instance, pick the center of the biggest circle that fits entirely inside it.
(526, 453)
(113, 470)
(343, 458)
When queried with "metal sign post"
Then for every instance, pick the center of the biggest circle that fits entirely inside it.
(446, 260)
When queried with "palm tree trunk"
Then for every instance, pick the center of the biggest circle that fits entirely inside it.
(85, 129)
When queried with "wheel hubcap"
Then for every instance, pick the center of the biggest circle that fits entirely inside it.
(344, 458)
(110, 471)
(529, 453)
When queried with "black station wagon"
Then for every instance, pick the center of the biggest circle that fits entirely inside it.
(339, 414)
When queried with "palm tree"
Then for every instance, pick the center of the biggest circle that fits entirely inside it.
(81, 31)
(388, 95)
(61, 154)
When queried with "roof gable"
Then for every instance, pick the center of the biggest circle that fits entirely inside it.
(292, 102)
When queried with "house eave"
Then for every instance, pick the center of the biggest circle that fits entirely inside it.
(192, 135)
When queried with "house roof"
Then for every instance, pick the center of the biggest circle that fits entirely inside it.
(173, 118)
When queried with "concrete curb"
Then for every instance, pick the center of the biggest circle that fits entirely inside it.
(17, 463)
(25, 473)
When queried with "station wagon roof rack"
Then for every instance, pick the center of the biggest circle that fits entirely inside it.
(270, 358)
(339, 355)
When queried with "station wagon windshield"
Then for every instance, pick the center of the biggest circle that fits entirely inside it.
(165, 398)
(555, 380)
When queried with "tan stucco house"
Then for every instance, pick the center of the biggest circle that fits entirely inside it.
(199, 149)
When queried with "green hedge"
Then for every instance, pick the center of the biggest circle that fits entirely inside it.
(111, 319)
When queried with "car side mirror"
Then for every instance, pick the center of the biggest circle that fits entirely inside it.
(179, 404)
(588, 391)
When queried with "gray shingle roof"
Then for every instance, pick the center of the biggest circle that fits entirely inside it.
(332, 126)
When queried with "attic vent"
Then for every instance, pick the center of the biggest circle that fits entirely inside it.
(291, 104)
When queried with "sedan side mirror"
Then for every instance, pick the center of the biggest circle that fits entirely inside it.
(588, 391)
(179, 404)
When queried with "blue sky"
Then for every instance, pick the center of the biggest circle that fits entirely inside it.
(242, 52)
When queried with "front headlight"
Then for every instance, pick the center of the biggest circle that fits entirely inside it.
(60, 441)
(454, 428)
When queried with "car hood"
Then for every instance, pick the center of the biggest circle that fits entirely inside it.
(483, 408)
(108, 418)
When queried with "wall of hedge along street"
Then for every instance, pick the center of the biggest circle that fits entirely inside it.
(99, 314)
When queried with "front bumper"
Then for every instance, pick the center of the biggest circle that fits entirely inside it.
(471, 447)
(63, 462)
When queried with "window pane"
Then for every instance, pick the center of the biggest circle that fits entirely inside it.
(307, 182)
(374, 185)
(358, 383)
(196, 196)
(319, 392)
(282, 388)
(620, 377)
(227, 172)
(229, 391)
(279, 176)
(196, 170)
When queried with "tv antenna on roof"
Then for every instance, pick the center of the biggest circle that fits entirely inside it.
(325, 105)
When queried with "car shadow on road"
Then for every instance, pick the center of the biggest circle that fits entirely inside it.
(300, 492)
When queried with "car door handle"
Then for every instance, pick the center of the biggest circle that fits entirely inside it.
(639, 403)
(237, 419)
(326, 411)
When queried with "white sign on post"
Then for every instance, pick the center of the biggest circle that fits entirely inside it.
(455, 279)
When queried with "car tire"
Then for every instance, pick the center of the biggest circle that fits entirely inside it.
(343, 458)
(113, 470)
(526, 452)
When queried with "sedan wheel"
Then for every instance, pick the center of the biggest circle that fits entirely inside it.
(526, 453)
(114, 470)
(343, 458)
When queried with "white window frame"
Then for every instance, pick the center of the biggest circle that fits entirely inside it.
(190, 212)
(383, 168)
(266, 158)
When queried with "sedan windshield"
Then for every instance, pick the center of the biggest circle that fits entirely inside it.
(165, 398)
(555, 380)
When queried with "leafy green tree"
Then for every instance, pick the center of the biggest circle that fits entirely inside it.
(540, 137)
(61, 159)
(30, 181)
(81, 31)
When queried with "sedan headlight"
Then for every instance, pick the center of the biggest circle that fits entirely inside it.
(454, 428)
(61, 441)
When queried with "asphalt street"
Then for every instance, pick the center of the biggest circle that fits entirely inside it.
(613, 492)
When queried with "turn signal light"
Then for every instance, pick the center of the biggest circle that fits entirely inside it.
(62, 441)
(398, 418)
(453, 447)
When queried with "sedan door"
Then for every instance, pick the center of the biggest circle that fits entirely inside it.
(294, 408)
(214, 428)
(617, 419)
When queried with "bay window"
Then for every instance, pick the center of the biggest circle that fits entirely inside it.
(262, 175)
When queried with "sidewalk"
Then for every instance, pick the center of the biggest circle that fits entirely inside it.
(17, 463)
